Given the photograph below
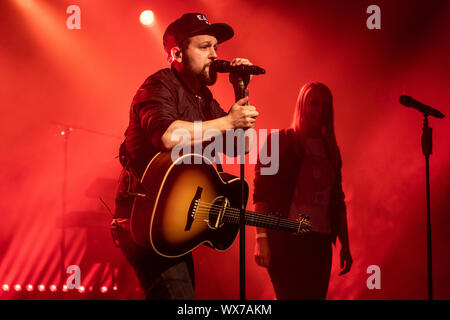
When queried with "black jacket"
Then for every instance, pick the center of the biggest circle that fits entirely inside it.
(162, 99)
(278, 190)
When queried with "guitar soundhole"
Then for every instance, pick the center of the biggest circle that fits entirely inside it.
(216, 212)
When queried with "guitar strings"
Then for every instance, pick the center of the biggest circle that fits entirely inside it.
(282, 225)
(263, 217)
(204, 212)
(251, 215)
(210, 205)
(233, 214)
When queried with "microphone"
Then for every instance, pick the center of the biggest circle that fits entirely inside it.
(407, 101)
(223, 66)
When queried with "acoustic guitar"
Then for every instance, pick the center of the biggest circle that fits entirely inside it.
(187, 202)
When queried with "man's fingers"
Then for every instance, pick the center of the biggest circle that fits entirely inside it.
(252, 114)
(249, 108)
(242, 101)
(239, 61)
(251, 121)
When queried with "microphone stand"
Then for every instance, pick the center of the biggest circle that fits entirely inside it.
(427, 150)
(427, 145)
(66, 131)
(241, 91)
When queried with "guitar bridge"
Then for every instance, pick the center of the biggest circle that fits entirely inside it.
(193, 208)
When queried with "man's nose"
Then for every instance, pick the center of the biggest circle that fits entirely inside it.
(213, 53)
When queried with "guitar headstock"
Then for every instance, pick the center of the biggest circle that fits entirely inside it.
(305, 224)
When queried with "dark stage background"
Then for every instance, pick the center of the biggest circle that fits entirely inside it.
(52, 77)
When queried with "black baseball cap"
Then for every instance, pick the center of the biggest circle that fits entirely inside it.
(191, 24)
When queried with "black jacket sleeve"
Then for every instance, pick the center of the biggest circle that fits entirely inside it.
(216, 110)
(155, 105)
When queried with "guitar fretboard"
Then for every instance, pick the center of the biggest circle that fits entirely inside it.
(261, 220)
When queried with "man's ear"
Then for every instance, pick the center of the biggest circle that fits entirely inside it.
(176, 54)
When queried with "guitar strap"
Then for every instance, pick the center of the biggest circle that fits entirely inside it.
(125, 161)
(131, 184)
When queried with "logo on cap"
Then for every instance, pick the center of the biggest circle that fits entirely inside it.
(202, 18)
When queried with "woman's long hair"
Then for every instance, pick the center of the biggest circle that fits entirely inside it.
(328, 133)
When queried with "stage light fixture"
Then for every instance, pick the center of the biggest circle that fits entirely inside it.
(82, 289)
(29, 287)
(65, 288)
(41, 287)
(147, 18)
(5, 287)
(53, 288)
(104, 289)
(18, 287)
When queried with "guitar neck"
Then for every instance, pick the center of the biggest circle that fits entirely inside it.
(255, 219)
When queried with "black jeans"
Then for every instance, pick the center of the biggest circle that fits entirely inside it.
(160, 278)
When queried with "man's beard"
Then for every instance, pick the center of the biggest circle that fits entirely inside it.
(208, 78)
(204, 77)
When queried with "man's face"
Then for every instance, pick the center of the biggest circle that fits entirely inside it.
(198, 56)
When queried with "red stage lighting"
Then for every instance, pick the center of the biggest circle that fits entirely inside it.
(104, 289)
(29, 287)
(147, 18)
(65, 288)
(5, 287)
(115, 288)
(41, 287)
(18, 287)
(82, 289)
(53, 288)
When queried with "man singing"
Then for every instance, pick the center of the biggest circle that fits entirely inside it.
(168, 100)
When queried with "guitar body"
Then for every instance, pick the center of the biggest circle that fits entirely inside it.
(182, 204)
